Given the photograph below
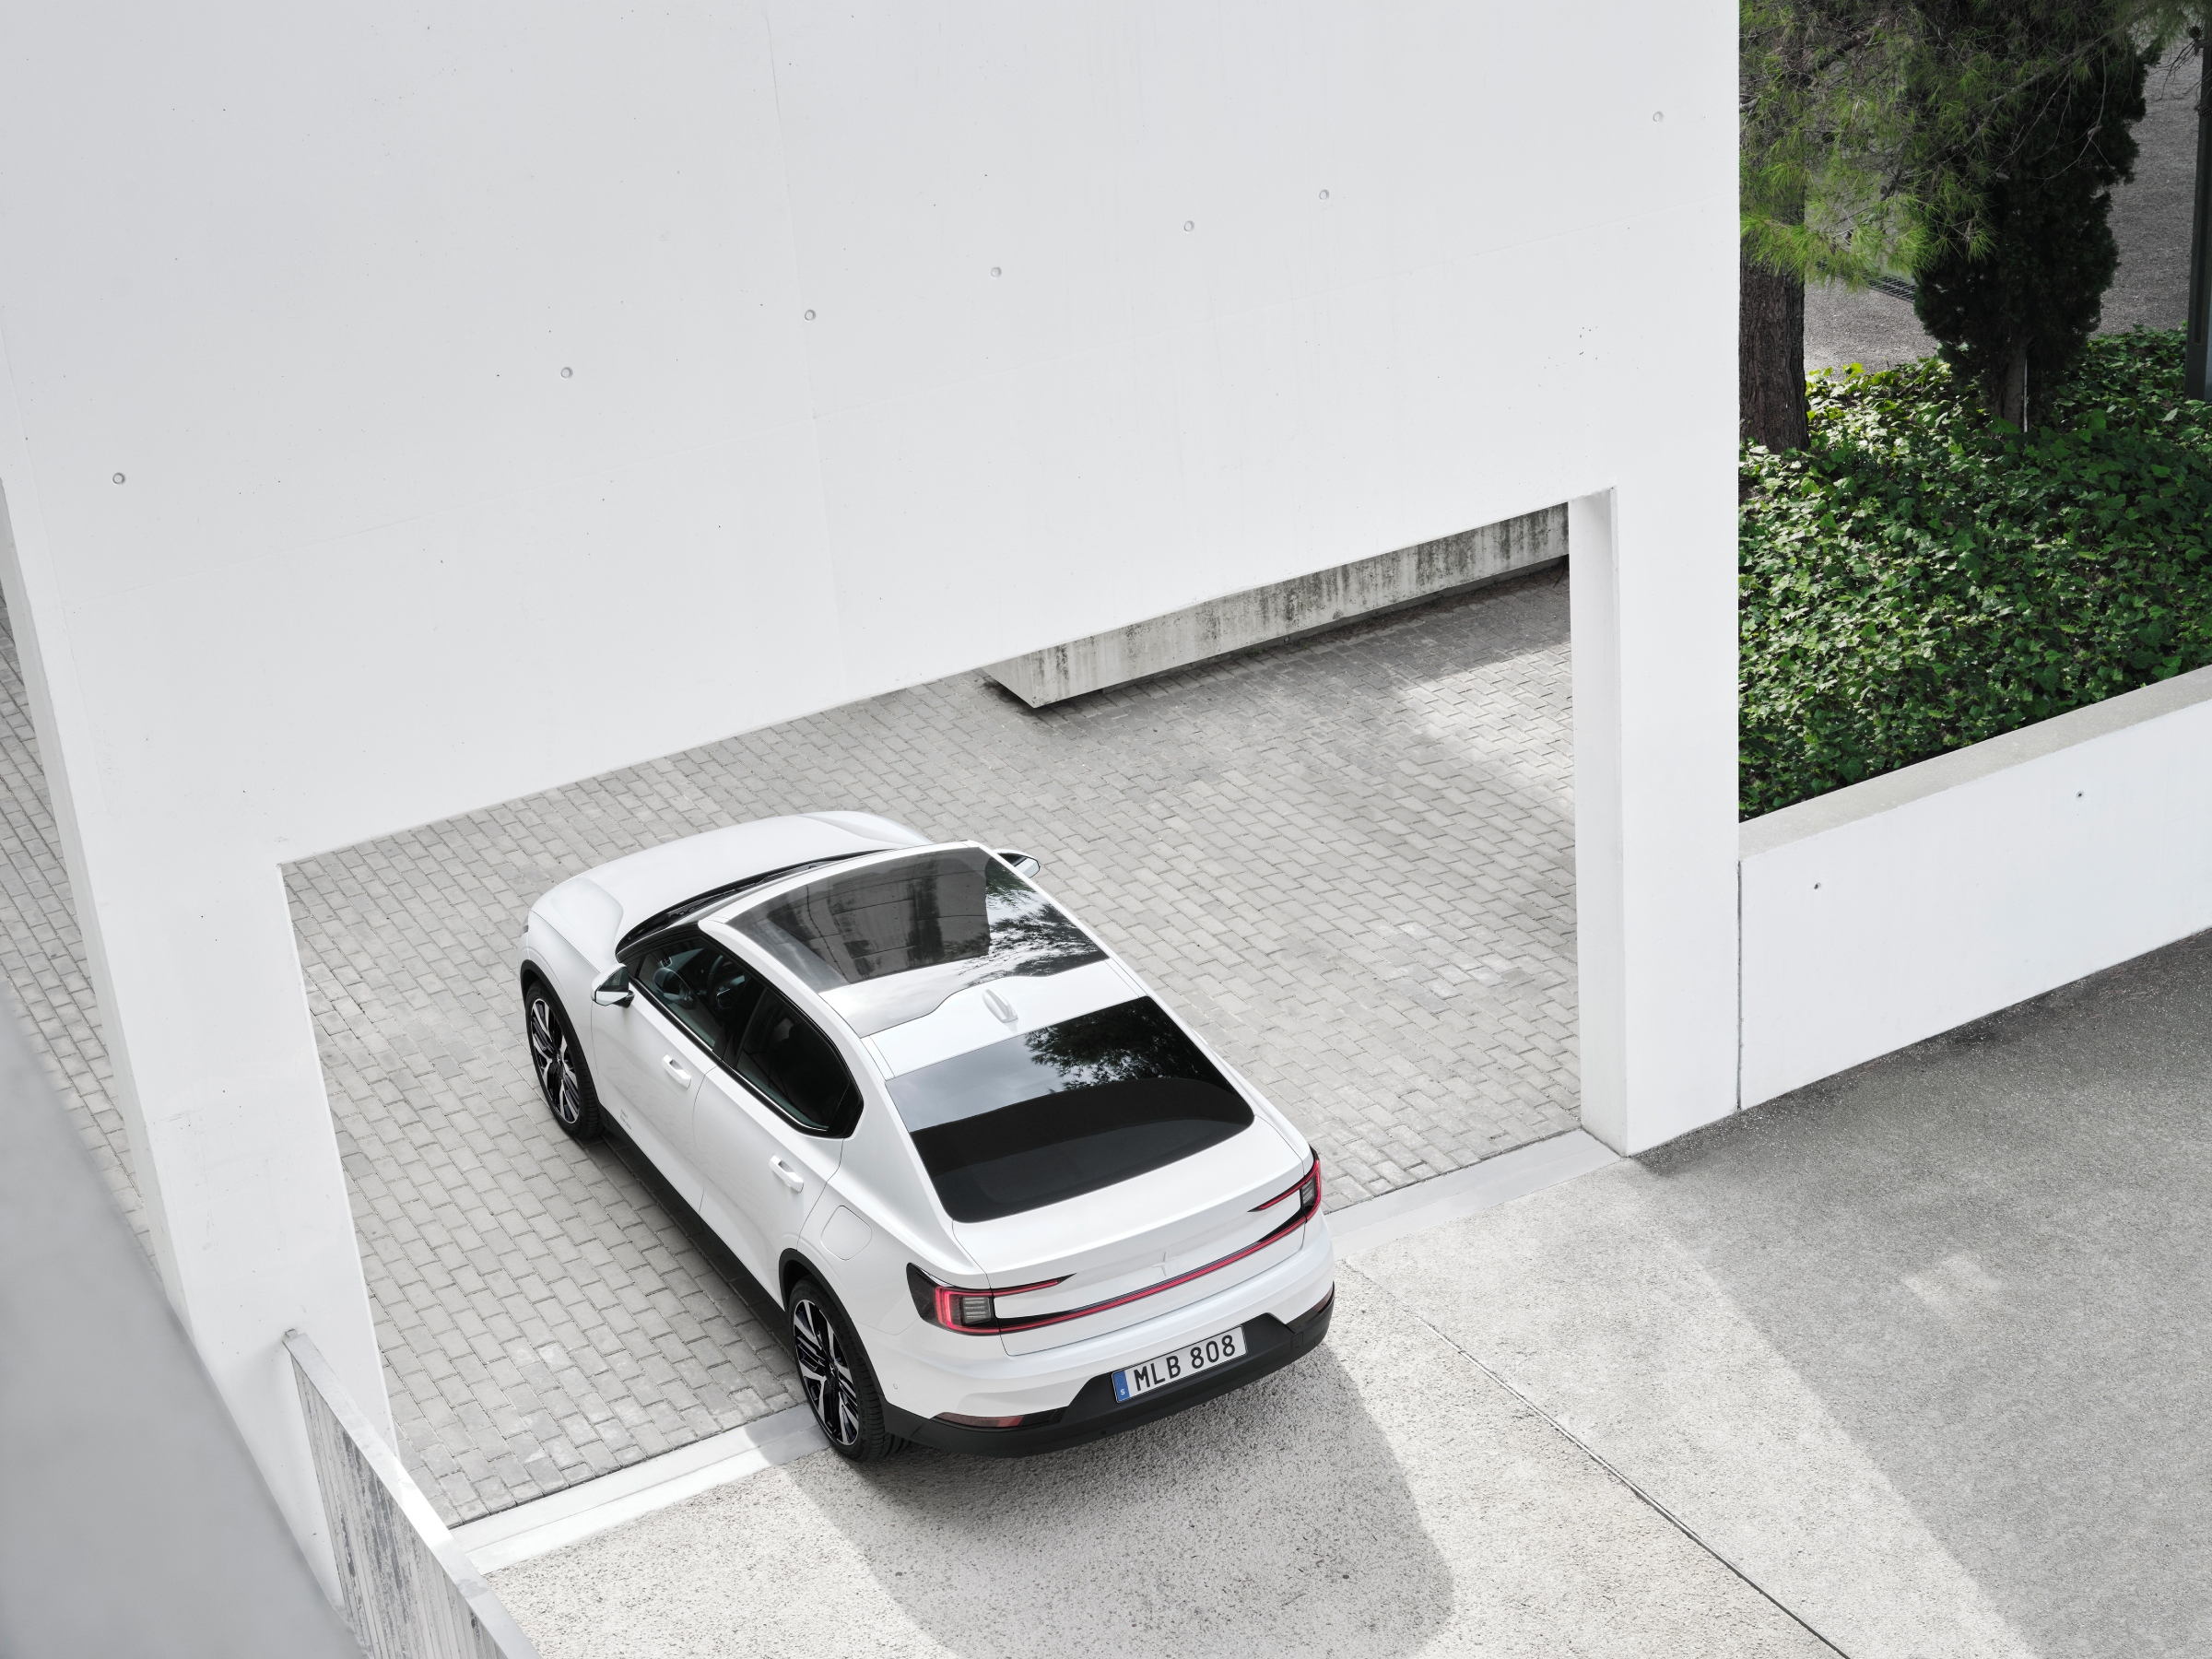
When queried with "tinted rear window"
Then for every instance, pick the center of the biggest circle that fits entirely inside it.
(1065, 1110)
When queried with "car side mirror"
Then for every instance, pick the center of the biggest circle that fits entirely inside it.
(1023, 864)
(613, 992)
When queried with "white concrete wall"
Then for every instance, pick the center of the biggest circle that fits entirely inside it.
(309, 278)
(1903, 906)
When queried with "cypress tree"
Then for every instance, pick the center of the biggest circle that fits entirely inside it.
(2014, 291)
(1930, 138)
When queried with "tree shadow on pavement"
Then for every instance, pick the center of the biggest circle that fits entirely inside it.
(1274, 1518)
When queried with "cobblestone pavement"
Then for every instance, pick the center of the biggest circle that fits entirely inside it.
(1348, 859)
(40, 950)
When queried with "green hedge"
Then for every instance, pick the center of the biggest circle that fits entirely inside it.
(1921, 578)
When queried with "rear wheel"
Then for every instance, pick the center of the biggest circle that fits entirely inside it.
(558, 1060)
(839, 1380)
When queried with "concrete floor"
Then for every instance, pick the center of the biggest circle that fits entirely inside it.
(1382, 1498)
(1916, 1351)
(1918, 1348)
(2150, 216)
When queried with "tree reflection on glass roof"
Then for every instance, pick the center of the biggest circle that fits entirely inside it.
(889, 942)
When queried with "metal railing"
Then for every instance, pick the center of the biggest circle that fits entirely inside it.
(410, 1591)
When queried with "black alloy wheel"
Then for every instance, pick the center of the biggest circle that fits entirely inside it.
(840, 1383)
(563, 1075)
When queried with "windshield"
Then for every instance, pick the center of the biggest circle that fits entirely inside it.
(889, 942)
(1065, 1110)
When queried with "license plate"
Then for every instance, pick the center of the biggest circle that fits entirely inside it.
(1174, 1366)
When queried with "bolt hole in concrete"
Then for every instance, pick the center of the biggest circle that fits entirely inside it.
(1348, 859)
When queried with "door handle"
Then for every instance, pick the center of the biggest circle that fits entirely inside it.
(787, 1175)
(676, 1074)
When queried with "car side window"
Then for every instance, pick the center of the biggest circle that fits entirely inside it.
(797, 1068)
(709, 990)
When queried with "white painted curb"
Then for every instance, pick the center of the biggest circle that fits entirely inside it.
(1494, 1181)
(566, 1517)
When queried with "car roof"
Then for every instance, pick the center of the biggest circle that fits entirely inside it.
(612, 900)
(925, 952)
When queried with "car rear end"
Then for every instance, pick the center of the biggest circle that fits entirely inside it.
(1117, 1307)
(1141, 1229)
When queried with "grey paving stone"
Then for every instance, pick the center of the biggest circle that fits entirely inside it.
(1349, 860)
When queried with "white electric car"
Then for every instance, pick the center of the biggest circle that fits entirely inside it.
(1007, 1201)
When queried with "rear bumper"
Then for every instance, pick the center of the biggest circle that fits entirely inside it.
(1094, 1413)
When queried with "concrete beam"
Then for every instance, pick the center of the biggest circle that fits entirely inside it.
(1286, 611)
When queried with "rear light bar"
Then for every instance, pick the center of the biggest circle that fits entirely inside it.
(958, 1308)
(1307, 1187)
(976, 1312)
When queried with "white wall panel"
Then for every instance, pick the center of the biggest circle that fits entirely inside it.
(474, 650)
(1901, 907)
(1181, 466)
(322, 270)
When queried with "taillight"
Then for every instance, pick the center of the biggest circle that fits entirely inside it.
(1307, 1190)
(976, 1312)
(959, 1308)
(963, 1310)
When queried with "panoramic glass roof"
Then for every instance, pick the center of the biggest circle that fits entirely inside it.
(888, 942)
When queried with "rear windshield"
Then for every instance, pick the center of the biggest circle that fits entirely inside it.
(888, 942)
(1065, 1110)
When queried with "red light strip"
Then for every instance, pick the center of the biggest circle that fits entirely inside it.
(1312, 1174)
(945, 1293)
(1305, 1212)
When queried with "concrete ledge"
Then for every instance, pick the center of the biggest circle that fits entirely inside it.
(562, 1518)
(1938, 772)
(1882, 914)
(1486, 1185)
(408, 1587)
(1285, 610)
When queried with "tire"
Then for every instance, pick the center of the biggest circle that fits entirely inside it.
(558, 1060)
(836, 1377)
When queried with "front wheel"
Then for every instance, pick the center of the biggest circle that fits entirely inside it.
(557, 1059)
(839, 1380)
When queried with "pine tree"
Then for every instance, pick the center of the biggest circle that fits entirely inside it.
(1897, 137)
(1822, 119)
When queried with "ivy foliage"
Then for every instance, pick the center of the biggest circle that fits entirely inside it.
(1921, 577)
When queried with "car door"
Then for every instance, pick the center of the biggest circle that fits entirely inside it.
(770, 1136)
(653, 1051)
